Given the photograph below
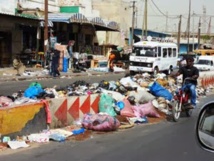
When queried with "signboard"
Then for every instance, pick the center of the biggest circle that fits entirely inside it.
(8, 6)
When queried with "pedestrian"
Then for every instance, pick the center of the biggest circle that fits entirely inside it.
(50, 54)
(70, 52)
(111, 61)
(55, 63)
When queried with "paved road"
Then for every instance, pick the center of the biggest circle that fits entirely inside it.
(165, 141)
(7, 88)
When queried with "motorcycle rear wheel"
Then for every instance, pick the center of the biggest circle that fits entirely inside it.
(176, 111)
(189, 112)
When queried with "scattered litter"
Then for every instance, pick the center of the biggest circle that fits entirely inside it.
(17, 144)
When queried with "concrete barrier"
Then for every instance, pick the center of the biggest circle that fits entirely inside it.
(22, 120)
(65, 111)
(32, 118)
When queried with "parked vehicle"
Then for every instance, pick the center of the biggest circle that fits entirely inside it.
(204, 52)
(205, 63)
(182, 58)
(205, 127)
(150, 56)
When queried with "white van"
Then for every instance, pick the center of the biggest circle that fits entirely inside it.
(205, 63)
(150, 56)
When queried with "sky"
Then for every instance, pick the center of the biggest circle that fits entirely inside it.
(158, 11)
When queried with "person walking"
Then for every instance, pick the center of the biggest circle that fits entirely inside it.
(55, 63)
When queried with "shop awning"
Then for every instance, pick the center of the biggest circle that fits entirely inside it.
(68, 17)
(102, 25)
(98, 21)
(79, 18)
(113, 25)
(42, 23)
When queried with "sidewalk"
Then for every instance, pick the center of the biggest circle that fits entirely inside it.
(9, 74)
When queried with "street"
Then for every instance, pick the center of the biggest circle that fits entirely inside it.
(163, 141)
(7, 88)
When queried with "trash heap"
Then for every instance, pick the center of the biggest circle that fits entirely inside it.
(141, 87)
(123, 104)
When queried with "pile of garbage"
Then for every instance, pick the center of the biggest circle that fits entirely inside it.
(141, 86)
(123, 103)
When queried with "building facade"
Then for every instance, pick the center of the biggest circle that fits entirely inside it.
(21, 25)
(18, 30)
(118, 11)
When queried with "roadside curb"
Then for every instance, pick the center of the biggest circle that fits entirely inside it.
(23, 78)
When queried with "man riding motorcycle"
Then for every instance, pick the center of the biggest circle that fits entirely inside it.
(189, 71)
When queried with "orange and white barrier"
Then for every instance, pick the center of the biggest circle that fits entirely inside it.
(207, 81)
(65, 111)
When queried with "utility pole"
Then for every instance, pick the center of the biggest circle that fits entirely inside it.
(136, 12)
(179, 33)
(166, 29)
(144, 26)
(133, 19)
(193, 32)
(188, 28)
(199, 32)
(46, 31)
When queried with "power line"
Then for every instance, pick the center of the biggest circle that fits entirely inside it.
(161, 11)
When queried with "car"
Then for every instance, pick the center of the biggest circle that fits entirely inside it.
(181, 58)
(205, 127)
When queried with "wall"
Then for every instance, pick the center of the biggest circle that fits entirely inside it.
(22, 120)
(16, 37)
(16, 41)
(11, 24)
(32, 118)
(119, 12)
(52, 4)
(7, 7)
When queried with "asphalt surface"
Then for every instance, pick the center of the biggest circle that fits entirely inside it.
(11, 86)
(165, 141)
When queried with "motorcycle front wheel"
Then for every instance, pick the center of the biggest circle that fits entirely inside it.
(176, 111)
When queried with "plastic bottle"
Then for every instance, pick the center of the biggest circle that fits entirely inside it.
(57, 137)
(79, 131)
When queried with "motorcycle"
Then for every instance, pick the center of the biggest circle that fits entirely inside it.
(180, 103)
